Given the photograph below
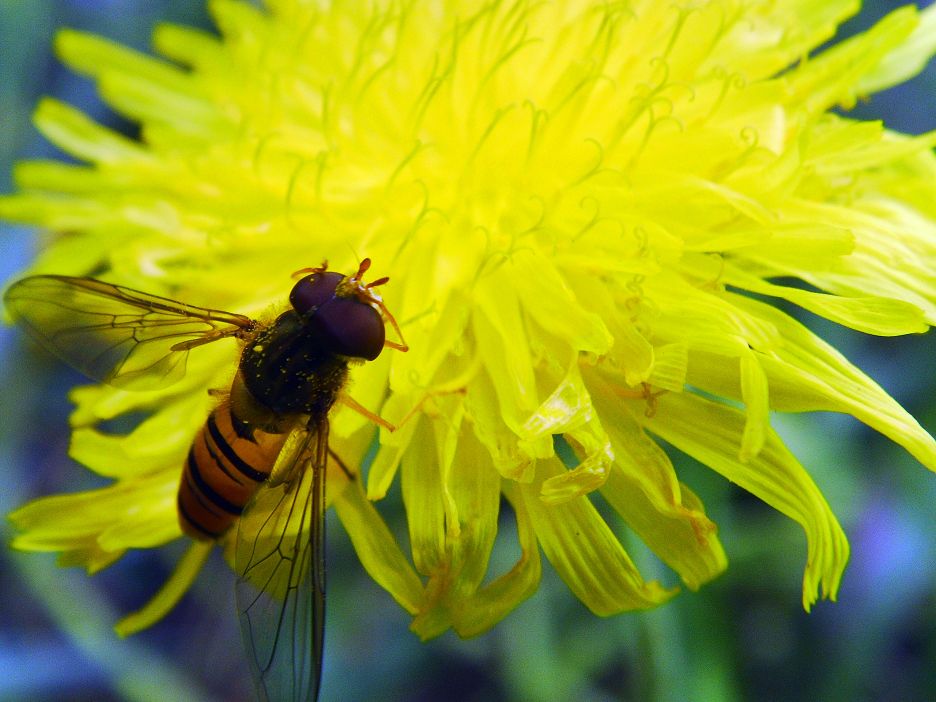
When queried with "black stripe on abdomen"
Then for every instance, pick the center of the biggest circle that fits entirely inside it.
(189, 520)
(236, 461)
(221, 474)
(203, 487)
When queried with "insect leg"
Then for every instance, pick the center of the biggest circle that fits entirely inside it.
(306, 271)
(341, 464)
(349, 401)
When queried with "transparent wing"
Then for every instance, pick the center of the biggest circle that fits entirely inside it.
(280, 589)
(113, 334)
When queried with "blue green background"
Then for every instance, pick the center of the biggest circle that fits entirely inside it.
(744, 637)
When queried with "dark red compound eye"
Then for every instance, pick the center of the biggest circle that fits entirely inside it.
(353, 327)
(314, 291)
(348, 326)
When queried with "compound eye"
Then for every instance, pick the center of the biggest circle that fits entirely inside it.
(353, 327)
(313, 291)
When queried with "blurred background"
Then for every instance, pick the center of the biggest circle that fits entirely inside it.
(743, 637)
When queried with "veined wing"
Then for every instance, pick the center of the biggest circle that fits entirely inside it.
(113, 334)
(279, 559)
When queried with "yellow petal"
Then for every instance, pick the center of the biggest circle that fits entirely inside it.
(568, 412)
(470, 498)
(807, 374)
(542, 292)
(872, 315)
(643, 488)
(170, 593)
(585, 553)
(130, 513)
(712, 434)
(424, 501)
(141, 87)
(476, 614)
(472, 487)
(907, 59)
(755, 393)
(505, 353)
(158, 443)
(188, 45)
(392, 447)
(376, 548)
(506, 454)
(75, 132)
(831, 77)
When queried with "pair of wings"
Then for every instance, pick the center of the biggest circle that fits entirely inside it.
(137, 341)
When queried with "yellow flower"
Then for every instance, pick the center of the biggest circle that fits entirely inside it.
(584, 209)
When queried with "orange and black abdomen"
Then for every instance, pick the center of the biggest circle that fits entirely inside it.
(223, 470)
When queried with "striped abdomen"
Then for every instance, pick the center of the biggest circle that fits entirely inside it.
(222, 472)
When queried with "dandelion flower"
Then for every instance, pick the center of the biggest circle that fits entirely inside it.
(586, 210)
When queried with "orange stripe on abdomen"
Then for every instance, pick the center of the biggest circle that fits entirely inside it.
(222, 472)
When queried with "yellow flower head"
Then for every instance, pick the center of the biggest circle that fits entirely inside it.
(582, 207)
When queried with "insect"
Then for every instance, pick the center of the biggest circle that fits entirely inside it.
(258, 462)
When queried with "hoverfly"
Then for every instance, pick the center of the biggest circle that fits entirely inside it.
(259, 460)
